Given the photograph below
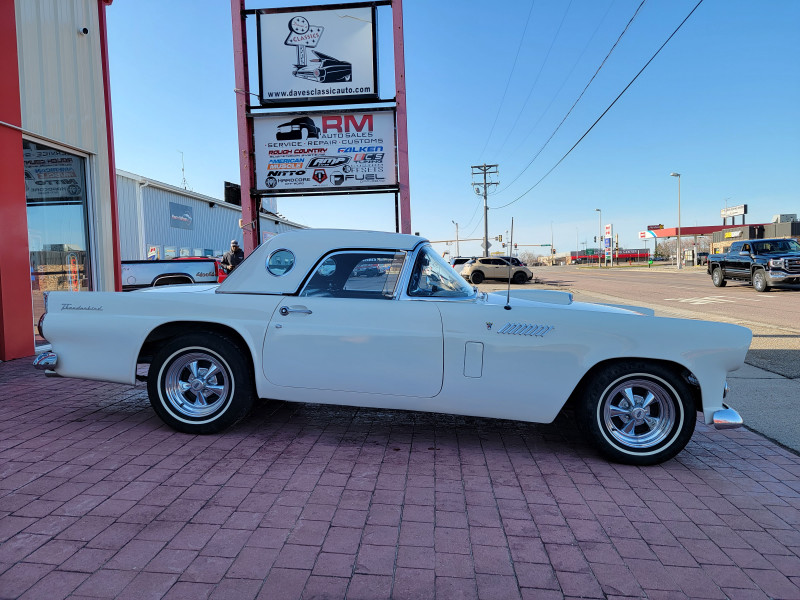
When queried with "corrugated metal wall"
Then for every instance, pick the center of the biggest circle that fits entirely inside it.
(145, 219)
(61, 94)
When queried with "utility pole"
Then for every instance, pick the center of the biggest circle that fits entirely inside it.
(458, 252)
(484, 170)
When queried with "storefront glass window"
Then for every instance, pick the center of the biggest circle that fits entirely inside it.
(58, 240)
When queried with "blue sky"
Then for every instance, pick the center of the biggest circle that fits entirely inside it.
(720, 104)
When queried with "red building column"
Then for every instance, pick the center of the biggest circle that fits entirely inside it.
(16, 310)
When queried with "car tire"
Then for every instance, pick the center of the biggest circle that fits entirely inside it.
(637, 412)
(520, 278)
(476, 277)
(760, 281)
(200, 383)
(717, 278)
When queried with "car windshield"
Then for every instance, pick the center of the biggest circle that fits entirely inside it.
(434, 277)
(776, 247)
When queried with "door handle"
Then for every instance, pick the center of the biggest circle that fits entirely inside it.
(285, 310)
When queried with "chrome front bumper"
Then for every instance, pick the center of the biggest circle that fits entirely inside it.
(727, 418)
(46, 361)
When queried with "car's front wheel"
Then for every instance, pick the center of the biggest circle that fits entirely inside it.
(476, 277)
(520, 278)
(638, 413)
(760, 281)
(717, 278)
(200, 383)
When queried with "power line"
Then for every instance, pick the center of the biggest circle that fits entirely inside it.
(535, 81)
(526, 192)
(508, 81)
(574, 104)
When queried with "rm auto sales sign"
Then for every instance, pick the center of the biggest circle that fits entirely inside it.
(325, 151)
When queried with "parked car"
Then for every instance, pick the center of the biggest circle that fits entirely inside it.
(138, 274)
(457, 261)
(496, 267)
(702, 258)
(764, 263)
(291, 323)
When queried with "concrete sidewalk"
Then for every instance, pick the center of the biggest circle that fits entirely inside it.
(99, 500)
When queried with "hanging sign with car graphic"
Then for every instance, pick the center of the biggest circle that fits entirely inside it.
(325, 151)
(316, 54)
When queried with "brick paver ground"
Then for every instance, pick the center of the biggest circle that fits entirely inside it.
(99, 500)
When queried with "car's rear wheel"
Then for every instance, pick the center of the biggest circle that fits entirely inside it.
(476, 277)
(200, 383)
(717, 278)
(760, 281)
(638, 413)
(520, 278)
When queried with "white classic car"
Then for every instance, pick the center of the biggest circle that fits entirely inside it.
(296, 322)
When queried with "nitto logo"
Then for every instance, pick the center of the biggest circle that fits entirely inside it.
(285, 173)
(319, 175)
(328, 161)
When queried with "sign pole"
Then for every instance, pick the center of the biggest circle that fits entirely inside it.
(402, 117)
(245, 127)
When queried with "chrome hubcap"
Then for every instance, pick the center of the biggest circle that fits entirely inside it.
(197, 384)
(639, 413)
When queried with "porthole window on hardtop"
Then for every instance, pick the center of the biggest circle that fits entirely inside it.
(356, 274)
(280, 262)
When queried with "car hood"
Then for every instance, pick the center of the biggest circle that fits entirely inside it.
(533, 297)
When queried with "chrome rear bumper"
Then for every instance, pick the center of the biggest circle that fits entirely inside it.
(46, 361)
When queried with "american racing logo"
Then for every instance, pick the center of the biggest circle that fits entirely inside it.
(328, 161)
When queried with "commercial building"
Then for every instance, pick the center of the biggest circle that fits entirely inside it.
(163, 221)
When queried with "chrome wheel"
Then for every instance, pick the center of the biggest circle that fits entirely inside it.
(638, 413)
(197, 384)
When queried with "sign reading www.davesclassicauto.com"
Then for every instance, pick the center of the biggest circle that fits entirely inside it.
(315, 54)
(325, 151)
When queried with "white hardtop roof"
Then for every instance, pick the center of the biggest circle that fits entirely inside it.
(308, 246)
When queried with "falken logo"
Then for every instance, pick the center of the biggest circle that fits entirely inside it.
(328, 161)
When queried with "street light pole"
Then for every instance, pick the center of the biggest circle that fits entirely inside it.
(678, 175)
(600, 221)
(458, 252)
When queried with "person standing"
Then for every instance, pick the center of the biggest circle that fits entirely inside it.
(233, 257)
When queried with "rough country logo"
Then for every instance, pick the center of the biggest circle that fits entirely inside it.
(303, 35)
(319, 175)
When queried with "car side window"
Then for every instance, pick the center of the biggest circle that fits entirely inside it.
(433, 277)
(356, 274)
(735, 247)
(746, 248)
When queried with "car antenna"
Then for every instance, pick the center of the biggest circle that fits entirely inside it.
(511, 246)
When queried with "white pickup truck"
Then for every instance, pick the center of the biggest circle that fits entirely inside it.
(148, 273)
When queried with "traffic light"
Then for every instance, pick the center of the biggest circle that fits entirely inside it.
(553, 251)
(515, 245)
(595, 239)
(499, 238)
(504, 244)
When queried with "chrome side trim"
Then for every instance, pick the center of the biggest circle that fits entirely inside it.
(45, 361)
(526, 329)
(727, 418)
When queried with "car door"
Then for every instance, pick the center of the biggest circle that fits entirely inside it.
(353, 335)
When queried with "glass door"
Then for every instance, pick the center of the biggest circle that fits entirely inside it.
(57, 207)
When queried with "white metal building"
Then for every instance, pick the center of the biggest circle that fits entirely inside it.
(168, 221)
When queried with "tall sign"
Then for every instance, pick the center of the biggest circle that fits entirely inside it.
(325, 151)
